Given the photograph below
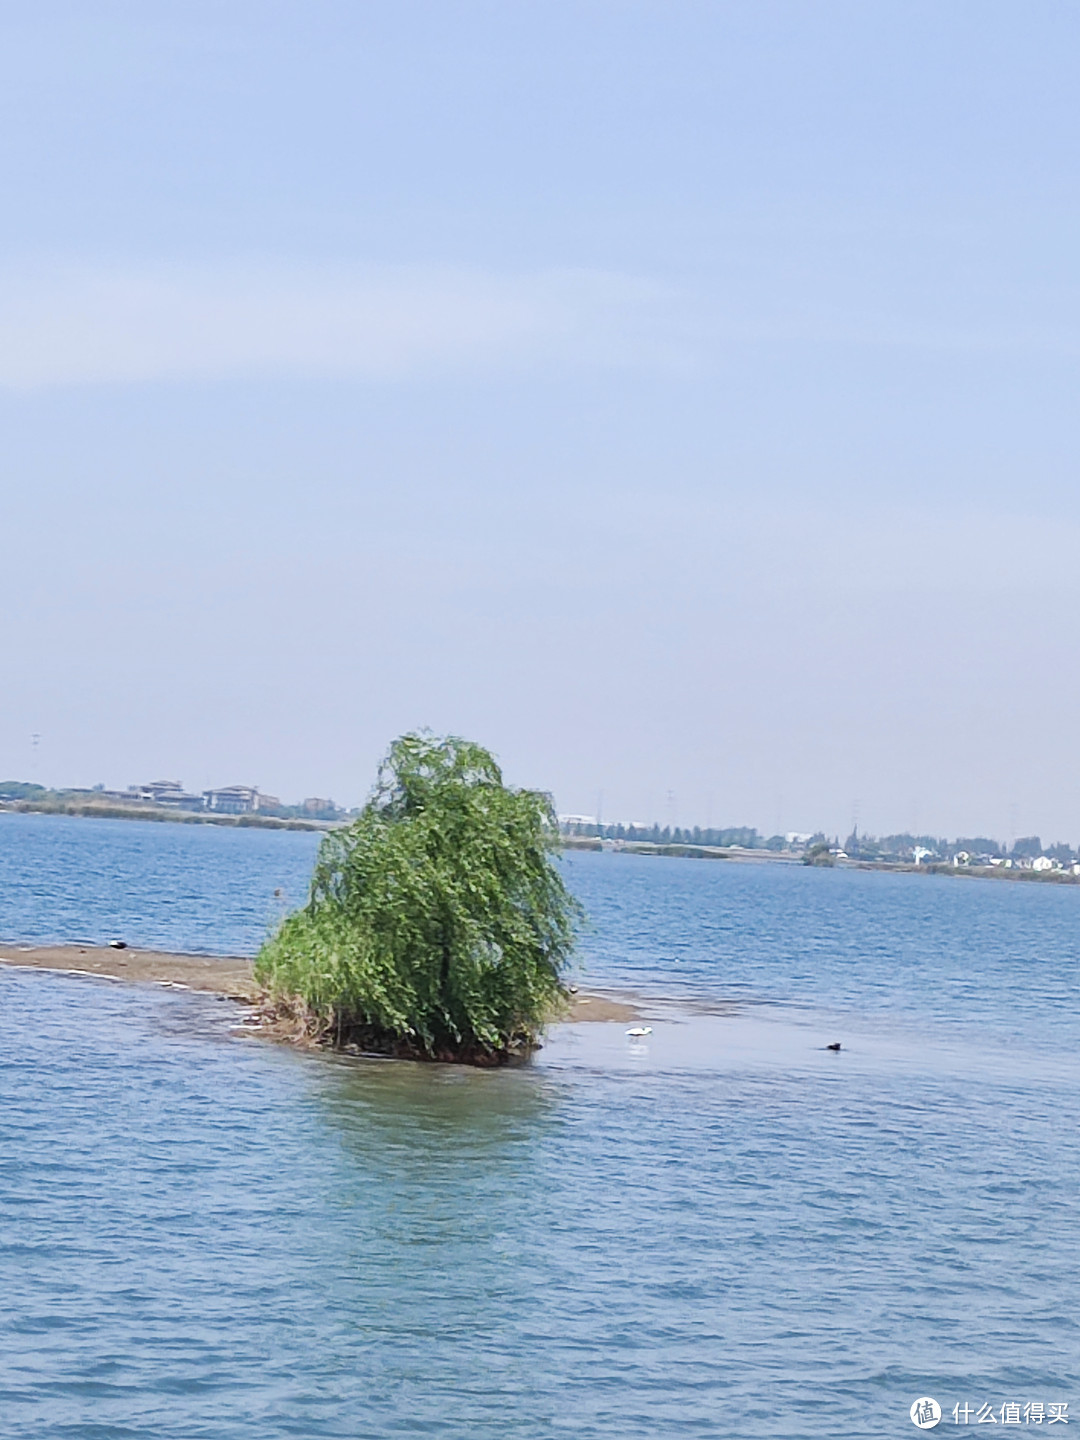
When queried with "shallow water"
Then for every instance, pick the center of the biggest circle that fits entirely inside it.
(721, 1230)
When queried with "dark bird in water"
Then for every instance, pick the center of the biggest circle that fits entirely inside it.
(118, 944)
(834, 1046)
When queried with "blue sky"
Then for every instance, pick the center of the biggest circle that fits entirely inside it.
(678, 398)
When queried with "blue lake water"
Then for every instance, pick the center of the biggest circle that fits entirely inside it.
(723, 1231)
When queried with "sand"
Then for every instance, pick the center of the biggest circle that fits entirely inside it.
(216, 975)
(221, 974)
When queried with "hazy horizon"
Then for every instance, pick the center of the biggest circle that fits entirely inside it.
(674, 398)
(672, 819)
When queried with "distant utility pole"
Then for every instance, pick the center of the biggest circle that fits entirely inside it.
(671, 808)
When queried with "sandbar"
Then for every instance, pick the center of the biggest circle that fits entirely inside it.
(229, 975)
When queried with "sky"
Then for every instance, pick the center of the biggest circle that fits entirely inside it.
(678, 398)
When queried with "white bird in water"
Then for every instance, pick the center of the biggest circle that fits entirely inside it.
(637, 1031)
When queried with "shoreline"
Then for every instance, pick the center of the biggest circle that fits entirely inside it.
(735, 855)
(158, 815)
(229, 976)
(155, 815)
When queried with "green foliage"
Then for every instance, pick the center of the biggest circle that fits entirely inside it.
(21, 790)
(437, 924)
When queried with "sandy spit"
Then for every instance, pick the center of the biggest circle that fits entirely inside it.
(218, 974)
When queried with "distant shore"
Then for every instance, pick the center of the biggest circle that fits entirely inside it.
(157, 814)
(788, 857)
(90, 809)
(681, 850)
(228, 976)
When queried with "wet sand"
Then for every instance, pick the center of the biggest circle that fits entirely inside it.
(228, 975)
(215, 975)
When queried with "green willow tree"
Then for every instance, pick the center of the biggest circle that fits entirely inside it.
(437, 925)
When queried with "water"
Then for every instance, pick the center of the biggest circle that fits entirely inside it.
(202, 889)
(724, 1231)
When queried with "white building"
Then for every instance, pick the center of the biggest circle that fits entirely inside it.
(169, 793)
(239, 800)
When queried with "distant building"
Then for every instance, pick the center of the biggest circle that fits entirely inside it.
(313, 805)
(169, 793)
(239, 800)
(1042, 862)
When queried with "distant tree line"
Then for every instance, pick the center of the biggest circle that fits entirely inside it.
(743, 835)
(899, 848)
(21, 790)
